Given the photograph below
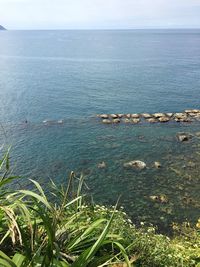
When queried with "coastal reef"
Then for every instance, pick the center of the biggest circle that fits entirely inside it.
(187, 116)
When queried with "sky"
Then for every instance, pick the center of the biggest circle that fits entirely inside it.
(99, 14)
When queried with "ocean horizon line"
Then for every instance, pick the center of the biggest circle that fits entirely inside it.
(104, 29)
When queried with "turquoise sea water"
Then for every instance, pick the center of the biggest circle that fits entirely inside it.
(74, 75)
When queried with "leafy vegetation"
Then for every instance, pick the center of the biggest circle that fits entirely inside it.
(60, 227)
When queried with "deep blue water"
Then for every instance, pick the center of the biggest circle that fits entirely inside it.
(74, 75)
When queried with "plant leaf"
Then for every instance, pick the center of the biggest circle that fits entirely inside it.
(18, 259)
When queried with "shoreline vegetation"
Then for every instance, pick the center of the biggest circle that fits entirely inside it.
(61, 226)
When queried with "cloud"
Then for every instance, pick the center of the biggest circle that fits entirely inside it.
(99, 13)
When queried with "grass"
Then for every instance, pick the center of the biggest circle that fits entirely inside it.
(61, 228)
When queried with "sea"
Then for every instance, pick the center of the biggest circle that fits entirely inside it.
(54, 83)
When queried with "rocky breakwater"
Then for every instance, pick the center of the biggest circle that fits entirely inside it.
(186, 116)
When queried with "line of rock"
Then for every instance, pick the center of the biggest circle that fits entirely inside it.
(188, 115)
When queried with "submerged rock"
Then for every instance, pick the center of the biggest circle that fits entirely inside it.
(127, 120)
(191, 164)
(151, 120)
(154, 198)
(157, 164)
(182, 137)
(135, 120)
(116, 121)
(160, 198)
(101, 165)
(48, 122)
(186, 119)
(135, 164)
(197, 134)
(163, 198)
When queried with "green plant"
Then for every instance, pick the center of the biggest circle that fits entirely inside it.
(60, 228)
(46, 232)
(17, 260)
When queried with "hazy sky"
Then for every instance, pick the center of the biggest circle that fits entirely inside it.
(64, 14)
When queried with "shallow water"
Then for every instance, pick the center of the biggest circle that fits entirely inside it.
(74, 75)
(53, 151)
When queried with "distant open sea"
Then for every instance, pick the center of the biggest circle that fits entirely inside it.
(74, 75)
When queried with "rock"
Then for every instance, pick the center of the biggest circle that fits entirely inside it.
(180, 187)
(163, 198)
(104, 116)
(48, 122)
(170, 114)
(120, 115)
(163, 119)
(160, 198)
(157, 164)
(135, 121)
(128, 116)
(197, 134)
(154, 198)
(135, 115)
(191, 164)
(180, 115)
(113, 116)
(177, 120)
(146, 115)
(116, 121)
(112, 146)
(197, 117)
(186, 119)
(106, 121)
(158, 115)
(135, 164)
(182, 137)
(192, 111)
(188, 111)
(141, 137)
(151, 120)
(127, 120)
(191, 114)
(101, 165)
